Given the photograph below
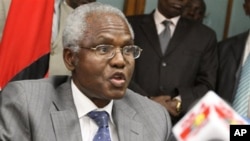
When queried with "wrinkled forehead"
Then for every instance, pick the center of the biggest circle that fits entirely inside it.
(100, 18)
(105, 21)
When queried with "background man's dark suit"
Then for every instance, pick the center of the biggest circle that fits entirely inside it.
(230, 57)
(189, 66)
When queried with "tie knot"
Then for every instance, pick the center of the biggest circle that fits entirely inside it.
(166, 22)
(100, 117)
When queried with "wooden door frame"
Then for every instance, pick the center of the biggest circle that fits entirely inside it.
(134, 7)
(228, 18)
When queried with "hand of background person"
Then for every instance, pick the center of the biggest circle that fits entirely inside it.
(168, 103)
(172, 108)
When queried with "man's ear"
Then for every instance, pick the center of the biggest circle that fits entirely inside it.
(69, 59)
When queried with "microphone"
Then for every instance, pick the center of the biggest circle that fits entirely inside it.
(208, 120)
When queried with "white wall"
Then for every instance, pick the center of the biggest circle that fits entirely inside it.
(117, 3)
(150, 5)
(216, 16)
(239, 21)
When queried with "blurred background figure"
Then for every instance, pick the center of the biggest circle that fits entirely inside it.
(195, 10)
(62, 8)
(179, 63)
(4, 8)
(233, 60)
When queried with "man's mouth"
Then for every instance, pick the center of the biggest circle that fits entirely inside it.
(118, 79)
(177, 6)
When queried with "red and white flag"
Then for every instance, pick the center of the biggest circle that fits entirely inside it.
(25, 45)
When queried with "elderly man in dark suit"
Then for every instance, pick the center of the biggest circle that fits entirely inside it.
(93, 104)
(186, 69)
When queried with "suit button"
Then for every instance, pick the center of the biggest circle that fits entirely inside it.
(161, 88)
(163, 64)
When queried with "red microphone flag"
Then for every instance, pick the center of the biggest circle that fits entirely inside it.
(25, 45)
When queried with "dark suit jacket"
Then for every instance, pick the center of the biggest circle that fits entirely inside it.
(230, 57)
(44, 110)
(189, 66)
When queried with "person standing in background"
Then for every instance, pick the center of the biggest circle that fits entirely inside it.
(195, 10)
(4, 8)
(233, 54)
(62, 10)
(179, 73)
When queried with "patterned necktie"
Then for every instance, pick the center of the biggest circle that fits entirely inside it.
(240, 103)
(165, 36)
(101, 118)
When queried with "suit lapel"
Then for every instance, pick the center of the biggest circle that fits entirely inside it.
(65, 120)
(238, 49)
(179, 35)
(128, 128)
(149, 28)
(238, 54)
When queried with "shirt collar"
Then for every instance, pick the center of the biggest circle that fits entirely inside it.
(159, 18)
(84, 105)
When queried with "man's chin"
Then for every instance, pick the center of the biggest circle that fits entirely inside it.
(118, 94)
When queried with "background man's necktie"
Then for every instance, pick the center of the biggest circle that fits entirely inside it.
(240, 103)
(165, 36)
(101, 118)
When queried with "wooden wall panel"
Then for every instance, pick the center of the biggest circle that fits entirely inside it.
(134, 7)
(228, 18)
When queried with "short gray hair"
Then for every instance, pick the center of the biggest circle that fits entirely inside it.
(76, 24)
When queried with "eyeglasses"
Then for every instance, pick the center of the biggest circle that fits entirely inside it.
(109, 51)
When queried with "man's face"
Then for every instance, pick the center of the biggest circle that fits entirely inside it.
(98, 77)
(171, 8)
(194, 10)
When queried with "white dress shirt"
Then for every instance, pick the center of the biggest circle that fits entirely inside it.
(159, 18)
(247, 49)
(83, 106)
